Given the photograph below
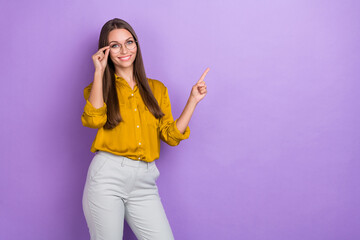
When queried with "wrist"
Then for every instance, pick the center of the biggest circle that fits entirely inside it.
(99, 72)
(192, 100)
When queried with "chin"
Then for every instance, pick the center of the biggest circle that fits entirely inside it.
(125, 65)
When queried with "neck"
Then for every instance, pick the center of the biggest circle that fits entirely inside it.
(126, 73)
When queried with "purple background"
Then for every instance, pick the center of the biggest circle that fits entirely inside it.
(274, 147)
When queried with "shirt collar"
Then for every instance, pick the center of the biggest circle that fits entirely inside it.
(118, 78)
(122, 81)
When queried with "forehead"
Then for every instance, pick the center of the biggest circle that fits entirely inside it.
(119, 35)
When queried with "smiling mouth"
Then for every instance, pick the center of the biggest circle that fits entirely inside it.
(124, 58)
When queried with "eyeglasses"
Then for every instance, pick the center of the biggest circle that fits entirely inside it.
(129, 44)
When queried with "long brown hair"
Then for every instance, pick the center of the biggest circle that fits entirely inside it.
(109, 87)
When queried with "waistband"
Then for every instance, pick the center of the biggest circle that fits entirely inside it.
(125, 161)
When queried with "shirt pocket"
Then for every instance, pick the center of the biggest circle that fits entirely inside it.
(150, 119)
(124, 109)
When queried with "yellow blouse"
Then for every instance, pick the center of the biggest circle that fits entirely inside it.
(138, 135)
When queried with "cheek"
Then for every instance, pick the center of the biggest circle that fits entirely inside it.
(134, 54)
(133, 57)
(113, 58)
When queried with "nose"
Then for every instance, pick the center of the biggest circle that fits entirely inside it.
(123, 49)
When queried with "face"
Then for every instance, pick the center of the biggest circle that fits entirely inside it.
(125, 57)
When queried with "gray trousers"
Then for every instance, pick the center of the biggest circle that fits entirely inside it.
(118, 187)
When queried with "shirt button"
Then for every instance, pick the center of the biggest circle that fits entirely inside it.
(132, 94)
(139, 158)
(135, 109)
(139, 143)
(137, 126)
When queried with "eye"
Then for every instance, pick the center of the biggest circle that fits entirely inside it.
(114, 45)
(129, 42)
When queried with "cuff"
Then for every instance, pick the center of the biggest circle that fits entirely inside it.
(90, 110)
(176, 134)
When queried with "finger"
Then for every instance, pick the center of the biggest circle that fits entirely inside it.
(200, 83)
(107, 53)
(204, 74)
(201, 87)
(103, 49)
(203, 91)
(98, 54)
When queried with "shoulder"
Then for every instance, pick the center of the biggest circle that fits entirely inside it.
(156, 86)
(159, 89)
(155, 83)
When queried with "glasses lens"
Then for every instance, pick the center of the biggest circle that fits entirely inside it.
(130, 44)
(114, 47)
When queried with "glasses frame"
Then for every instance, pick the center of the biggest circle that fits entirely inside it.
(121, 45)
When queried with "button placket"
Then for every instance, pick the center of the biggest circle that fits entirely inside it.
(136, 112)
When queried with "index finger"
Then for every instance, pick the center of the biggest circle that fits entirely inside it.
(203, 75)
(103, 48)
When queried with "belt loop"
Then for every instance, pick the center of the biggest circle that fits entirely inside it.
(147, 165)
(122, 162)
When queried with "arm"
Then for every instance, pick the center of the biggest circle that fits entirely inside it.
(94, 115)
(169, 133)
(198, 92)
(184, 119)
(96, 94)
(100, 62)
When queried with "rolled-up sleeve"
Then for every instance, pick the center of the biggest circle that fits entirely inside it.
(169, 133)
(93, 117)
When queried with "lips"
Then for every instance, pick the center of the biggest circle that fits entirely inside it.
(126, 58)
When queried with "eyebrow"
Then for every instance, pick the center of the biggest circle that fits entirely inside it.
(125, 40)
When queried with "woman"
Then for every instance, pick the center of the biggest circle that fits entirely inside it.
(132, 113)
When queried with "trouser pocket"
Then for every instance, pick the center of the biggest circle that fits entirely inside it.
(97, 163)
